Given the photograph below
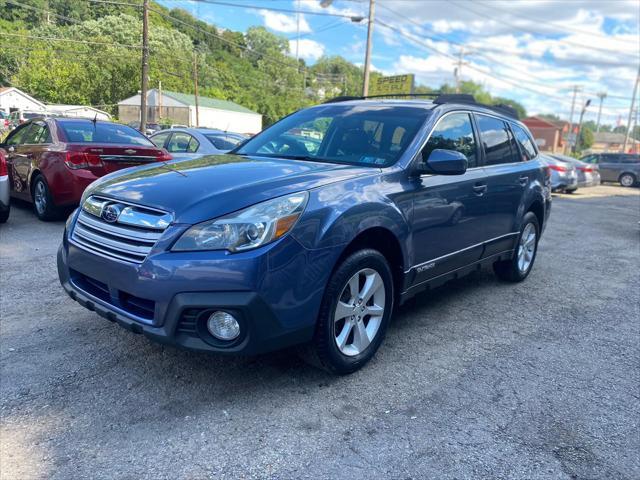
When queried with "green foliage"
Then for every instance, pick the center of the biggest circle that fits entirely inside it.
(585, 140)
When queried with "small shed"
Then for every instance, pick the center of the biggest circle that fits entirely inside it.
(80, 111)
(180, 108)
(13, 99)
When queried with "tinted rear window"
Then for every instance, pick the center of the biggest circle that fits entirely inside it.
(223, 142)
(88, 132)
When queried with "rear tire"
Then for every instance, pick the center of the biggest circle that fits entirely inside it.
(43, 205)
(627, 180)
(518, 268)
(354, 314)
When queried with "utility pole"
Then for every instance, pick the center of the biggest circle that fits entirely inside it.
(195, 84)
(298, 34)
(576, 88)
(457, 71)
(145, 66)
(584, 109)
(633, 103)
(601, 96)
(159, 100)
(367, 58)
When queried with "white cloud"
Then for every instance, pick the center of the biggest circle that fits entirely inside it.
(310, 50)
(281, 22)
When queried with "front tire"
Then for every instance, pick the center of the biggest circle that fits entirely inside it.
(354, 314)
(627, 180)
(519, 267)
(43, 205)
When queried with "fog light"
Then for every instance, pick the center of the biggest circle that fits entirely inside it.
(223, 326)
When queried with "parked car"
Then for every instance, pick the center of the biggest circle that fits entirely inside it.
(5, 122)
(18, 117)
(623, 168)
(588, 174)
(191, 143)
(5, 205)
(259, 249)
(51, 161)
(150, 128)
(564, 176)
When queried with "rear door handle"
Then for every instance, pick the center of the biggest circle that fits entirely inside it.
(480, 189)
(523, 180)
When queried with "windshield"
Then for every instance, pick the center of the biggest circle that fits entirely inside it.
(88, 132)
(356, 135)
(222, 141)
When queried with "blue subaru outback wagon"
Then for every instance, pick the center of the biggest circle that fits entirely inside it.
(310, 232)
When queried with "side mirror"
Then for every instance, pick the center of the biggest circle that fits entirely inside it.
(444, 162)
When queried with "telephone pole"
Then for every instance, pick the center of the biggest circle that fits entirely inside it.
(458, 70)
(367, 58)
(601, 96)
(195, 85)
(633, 103)
(576, 89)
(145, 66)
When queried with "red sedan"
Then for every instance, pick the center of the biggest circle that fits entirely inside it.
(52, 160)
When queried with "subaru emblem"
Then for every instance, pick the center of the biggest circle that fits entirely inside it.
(110, 213)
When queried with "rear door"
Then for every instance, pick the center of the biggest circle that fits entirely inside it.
(507, 179)
(449, 211)
(609, 167)
(183, 146)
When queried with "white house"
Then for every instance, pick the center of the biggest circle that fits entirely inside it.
(80, 111)
(180, 108)
(12, 99)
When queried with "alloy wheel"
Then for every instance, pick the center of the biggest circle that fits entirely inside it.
(40, 197)
(359, 312)
(527, 247)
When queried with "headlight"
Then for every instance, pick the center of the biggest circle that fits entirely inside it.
(249, 228)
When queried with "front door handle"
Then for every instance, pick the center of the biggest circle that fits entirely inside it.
(480, 189)
(523, 181)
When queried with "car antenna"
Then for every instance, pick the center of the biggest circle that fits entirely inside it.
(95, 120)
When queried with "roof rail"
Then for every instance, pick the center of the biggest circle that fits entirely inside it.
(440, 99)
(386, 95)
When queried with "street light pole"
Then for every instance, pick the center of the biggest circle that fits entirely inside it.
(367, 58)
(584, 109)
(601, 96)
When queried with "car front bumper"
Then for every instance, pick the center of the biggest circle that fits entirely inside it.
(274, 291)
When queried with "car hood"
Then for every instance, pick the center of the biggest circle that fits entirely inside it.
(207, 187)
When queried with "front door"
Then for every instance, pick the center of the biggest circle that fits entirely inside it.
(449, 210)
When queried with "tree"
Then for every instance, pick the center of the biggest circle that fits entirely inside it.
(585, 140)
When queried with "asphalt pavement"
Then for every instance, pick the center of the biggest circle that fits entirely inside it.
(479, 379)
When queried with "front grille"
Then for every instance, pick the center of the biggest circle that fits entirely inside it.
(130, 238)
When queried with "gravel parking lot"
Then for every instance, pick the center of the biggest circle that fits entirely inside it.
(480, 379)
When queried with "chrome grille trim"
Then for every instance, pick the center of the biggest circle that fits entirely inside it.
(128, 158)
(130, 239)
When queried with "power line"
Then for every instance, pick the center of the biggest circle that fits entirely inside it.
(563, 26)
(518, 27)
(353, 18)
(58, 39)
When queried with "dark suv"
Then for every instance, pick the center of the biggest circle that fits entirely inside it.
(617, 167)
(311, 231)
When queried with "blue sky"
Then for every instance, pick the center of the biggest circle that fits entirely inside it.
(533, 51)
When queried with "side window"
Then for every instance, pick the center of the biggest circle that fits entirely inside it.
(525, 143)
(45, 135)
(496, 139)
(453, 132)
(16, 137)
(32, 136)
(590, 159)
(179, 142)
(160, 139)
(609, 158)
(193, 145)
